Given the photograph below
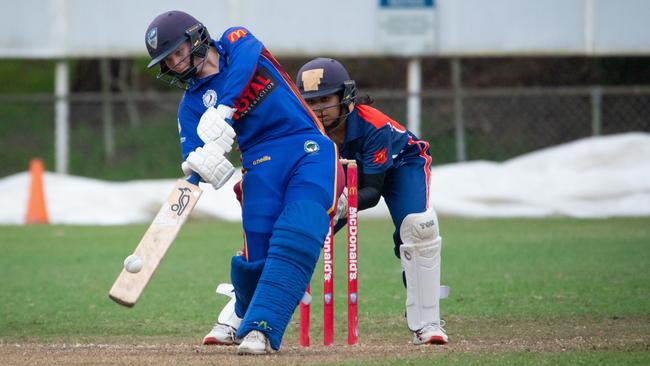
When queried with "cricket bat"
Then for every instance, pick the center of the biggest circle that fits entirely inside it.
(156, 240)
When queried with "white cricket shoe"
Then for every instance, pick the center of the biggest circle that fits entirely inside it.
(225, 328)
(431, 334)
(255, 343)
(222, 334)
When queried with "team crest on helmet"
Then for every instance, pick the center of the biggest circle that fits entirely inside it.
(152, 38)
(209, 98)
(311, 146)
(311, 79)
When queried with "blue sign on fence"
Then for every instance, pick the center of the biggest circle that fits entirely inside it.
(407, 3)
(406, 27)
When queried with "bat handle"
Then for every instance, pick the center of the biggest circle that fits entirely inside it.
(195, 178)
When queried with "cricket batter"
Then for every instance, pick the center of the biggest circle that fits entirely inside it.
(234, 87)
(393, 163)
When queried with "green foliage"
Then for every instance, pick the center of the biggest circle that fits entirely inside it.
(148, 151)
(25, 132)
(26, 76)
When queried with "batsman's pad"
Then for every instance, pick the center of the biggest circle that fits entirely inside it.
(420, 257)
(294, 249)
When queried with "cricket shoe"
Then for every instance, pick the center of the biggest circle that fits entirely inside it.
(227, 323)
(254, 343)
(222, 334)
(431, 334)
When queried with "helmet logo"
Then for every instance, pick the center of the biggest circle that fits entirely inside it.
(209, 98)
(311, 79)
(152, 38)
(311, 146)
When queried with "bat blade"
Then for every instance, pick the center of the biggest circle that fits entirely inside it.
(156, 241)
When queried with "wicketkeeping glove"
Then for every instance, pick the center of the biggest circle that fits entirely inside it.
(342, 206)
(211, 164)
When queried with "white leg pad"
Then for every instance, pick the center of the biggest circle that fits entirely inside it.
(420, 257)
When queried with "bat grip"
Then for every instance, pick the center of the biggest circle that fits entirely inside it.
(195, 178)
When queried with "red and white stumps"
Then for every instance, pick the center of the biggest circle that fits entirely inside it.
(328, 272)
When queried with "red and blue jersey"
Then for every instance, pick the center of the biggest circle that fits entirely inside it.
(285, 153)
(377, 142)
(267, 103)
(384, 148)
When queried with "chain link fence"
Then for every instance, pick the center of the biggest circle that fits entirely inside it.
(501, 123)
(133, 135)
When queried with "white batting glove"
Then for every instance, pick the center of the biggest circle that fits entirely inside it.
(185, 167)
(342, 206)
(214, 128)
(211, 164)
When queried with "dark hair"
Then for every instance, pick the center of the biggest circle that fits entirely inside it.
(364, 100)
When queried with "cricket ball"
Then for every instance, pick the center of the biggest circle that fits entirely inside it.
(133, 263)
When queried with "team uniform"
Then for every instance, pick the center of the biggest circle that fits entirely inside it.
(393, 163)
(381, 145)
(290, 182)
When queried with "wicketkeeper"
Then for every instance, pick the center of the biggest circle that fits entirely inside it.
(393, 163)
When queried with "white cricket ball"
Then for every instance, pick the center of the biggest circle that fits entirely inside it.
(133, 263)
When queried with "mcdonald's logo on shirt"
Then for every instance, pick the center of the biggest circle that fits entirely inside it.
(236, 34)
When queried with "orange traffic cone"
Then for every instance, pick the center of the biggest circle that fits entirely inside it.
(36, 211)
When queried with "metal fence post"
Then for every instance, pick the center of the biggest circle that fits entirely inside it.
(414, 88)
(596, 110)
(62, 115)
(456, 81)
(107, 108)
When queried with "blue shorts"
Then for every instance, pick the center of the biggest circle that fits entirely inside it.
(281, 171)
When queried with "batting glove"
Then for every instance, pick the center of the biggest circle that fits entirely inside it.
(211, 164)
(213, 127)
(185, 167)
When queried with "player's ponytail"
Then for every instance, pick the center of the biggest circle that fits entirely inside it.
(364, 100)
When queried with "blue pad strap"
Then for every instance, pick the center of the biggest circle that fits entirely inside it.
(244, 276)
(294, 249)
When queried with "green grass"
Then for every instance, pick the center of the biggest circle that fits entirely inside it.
(527, 358)
(512, 280)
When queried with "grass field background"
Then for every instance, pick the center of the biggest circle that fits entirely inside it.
(534, 291)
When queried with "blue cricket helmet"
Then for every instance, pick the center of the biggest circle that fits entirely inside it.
(166, 33)
(324, 76)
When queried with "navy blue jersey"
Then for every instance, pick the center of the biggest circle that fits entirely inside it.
(375, 140)
(382, 146)
(267, 103)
